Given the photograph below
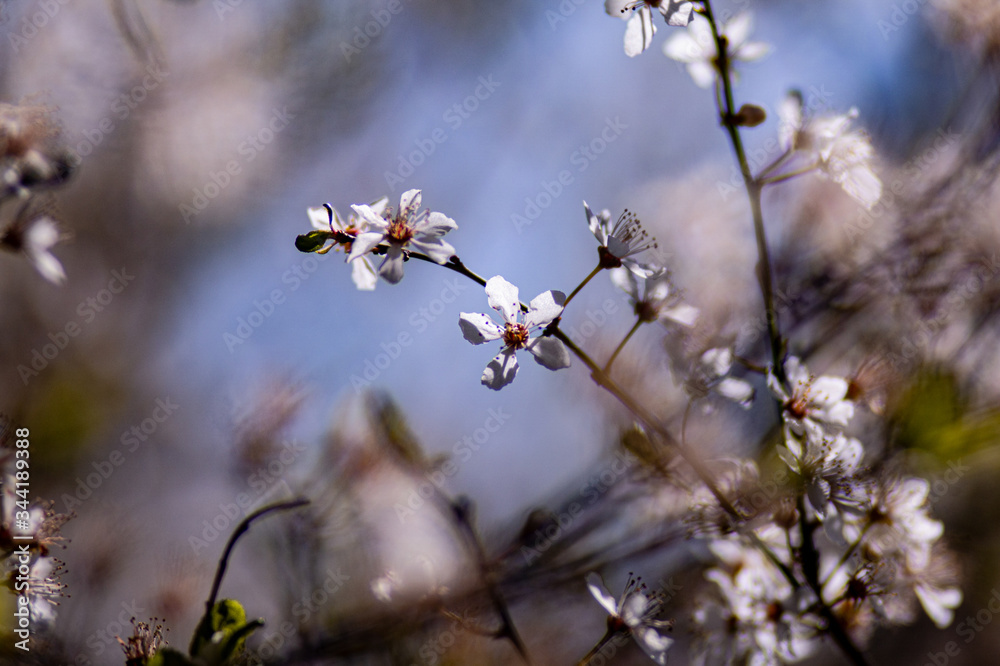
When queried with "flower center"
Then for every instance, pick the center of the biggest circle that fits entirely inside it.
(400, 231)
(515, 335)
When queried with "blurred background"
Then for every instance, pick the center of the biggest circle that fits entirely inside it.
(214, 368)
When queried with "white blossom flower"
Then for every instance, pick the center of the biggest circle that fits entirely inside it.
(708, 372)
(34, 238)
(408, 227)
(326, 218)
(696, 47)
(829, 467)
(813, 400)
(619, 242)
(515, 333)
(640, 29)
(898, 525)
(653, 297)
(753, 616)
(843, 156)
(634, 613)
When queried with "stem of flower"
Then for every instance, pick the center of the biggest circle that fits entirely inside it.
(597, 648)
(621, 345)
(582, 285)
(753, 192)
(787, 176)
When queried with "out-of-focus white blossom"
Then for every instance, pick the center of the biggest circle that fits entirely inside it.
(653, 297)
(35, 238)
(515, 333)
(814, 402)
(826, 142)
(696, 47)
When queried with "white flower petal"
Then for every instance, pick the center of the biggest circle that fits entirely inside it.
(717, 362)
(703, 74)
(653, 643)
(549, 352)
(639, 32)
(409, 198)
(435, 248)
(375, 221)
(939, 604)
(597, 588)
(737, 390)
(678, 13)
(48, 266)
(479, 328)
(738, 28)
(683, 48)
(379, 205)
(503, 297)
(625, 280)
(544, 308)
(364, 275)
(753, 51)
(364, 244)
(686, 315)
(391, 269)
(500, 371)
(319, 218)
(435, 225)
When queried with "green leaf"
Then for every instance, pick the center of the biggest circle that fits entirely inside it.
(312, 241)
(222, 633)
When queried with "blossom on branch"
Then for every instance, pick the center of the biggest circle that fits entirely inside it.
(640, 29)
(516, 331)
(620, 241)
(696, 47)
(408, 227)
(634, 613)
(326, 218)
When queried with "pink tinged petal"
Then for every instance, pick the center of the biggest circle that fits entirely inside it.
(364, 275)
(435, 248)
(503, 297)
(500, 371)
(625, 280)
(435, 225)
(409, 198)
(549, 352)
(364, 244)
(737, 390)
(653, 643)
(600, 592)
(544, 308)
(702, 73)
(366, 214)
(639, 32)
(391, 269)
(479, 328)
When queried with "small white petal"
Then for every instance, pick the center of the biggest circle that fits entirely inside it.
(364, 243)
(479, 328)
(738, 28)
(379, 205)
(391, 269)
(753, 51)
(653, 643)
(686, 315)
(702, 73)
(625, 280)
(364, 275)
(544, 308)
(435, 248)
(49, 267)
(409, 198)
(503, 297)
(500, 371)
(737, 390)
(939, 604)
(639, 32)
(596, 586)
(678, 13)
(365, 212)
(319, 218)
(435, 225)
(549, 352)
